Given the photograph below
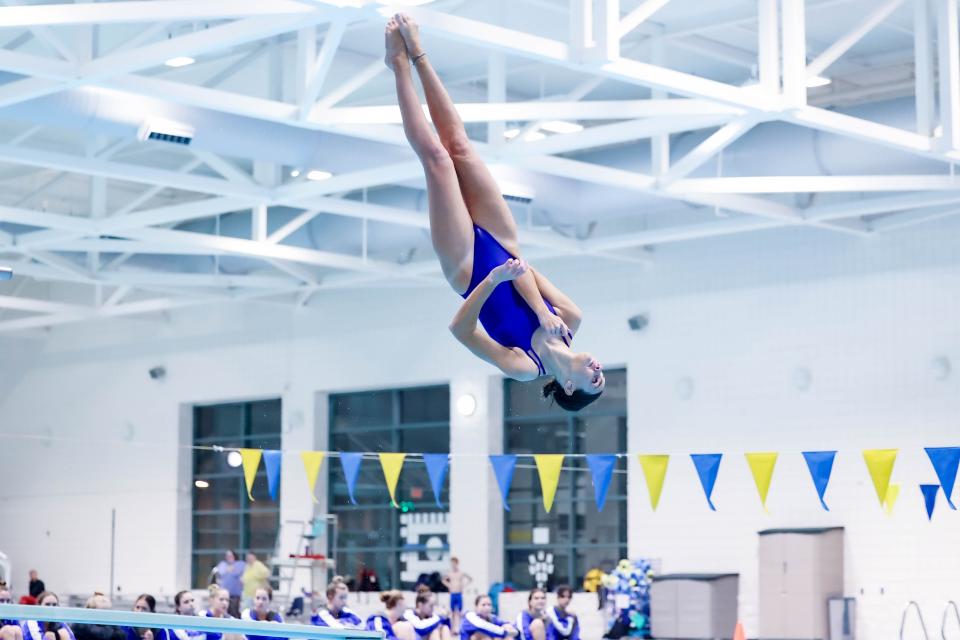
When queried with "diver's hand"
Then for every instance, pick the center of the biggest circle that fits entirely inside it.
(509, 270)
(552, 324)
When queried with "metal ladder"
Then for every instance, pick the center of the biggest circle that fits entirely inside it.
(946, 611)
(286, 567)
(903, 619)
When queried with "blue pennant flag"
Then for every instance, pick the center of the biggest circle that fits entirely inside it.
(945, 462)
(820, 464)
(503, 467)
(929, 497)
(271, 460)
(351, 469)
(601, 468)
(437, 470)
(707, 464)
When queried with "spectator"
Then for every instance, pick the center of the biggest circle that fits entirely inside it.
(219, 608)
(36, 585)
(256, 576)
(261, 610)
(422, 620)
(84, 631)
(145, 603)
(9, 629)
(337, 614)
(183, 605)
(38, 630)
(229, 576)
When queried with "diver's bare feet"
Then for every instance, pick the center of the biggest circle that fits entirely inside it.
(410, 31)
(396, 49)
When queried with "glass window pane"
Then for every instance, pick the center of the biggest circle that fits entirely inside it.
(425, 440)
(219, 421)
(359, 441)
(371, 534)
(264, 418)
(368, 409)
(426, 404)
(224, 517)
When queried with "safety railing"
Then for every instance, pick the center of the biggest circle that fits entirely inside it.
(169, 621)
(903, 619)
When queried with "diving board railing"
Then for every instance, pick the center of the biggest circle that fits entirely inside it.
(171, 621)
(903, 619)
(951, 605)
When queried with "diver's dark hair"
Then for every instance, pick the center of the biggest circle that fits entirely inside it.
(573, 402)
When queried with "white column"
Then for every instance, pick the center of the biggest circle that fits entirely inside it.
(949, 72)
(298, 420)
(923, 66)
(476, 511)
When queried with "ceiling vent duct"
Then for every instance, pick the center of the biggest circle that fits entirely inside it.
(166, 131)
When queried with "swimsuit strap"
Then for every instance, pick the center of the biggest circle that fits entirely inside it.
(536, 360)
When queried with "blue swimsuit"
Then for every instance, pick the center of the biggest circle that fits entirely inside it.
(505, 316)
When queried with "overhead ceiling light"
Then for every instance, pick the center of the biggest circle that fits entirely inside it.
(561, 126)
(317, 175)
(510, 134)
(295, 173)
(234, 459)
(818, 81)
(201, 484)
(179, 61)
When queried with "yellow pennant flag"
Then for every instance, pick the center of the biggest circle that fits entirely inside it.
(548, 467)
(654, 470)
(893, 492)
(251, 462)
(761, 466)
(392, 463)
(880, 465)
(311, 464)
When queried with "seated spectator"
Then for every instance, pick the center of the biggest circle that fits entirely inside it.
(261, 611)
(145, 603)
(481, 623)
(39, 630)
(9, 629)
(84, 631)
(337, 615)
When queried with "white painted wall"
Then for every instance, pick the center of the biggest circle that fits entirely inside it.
(737, 316)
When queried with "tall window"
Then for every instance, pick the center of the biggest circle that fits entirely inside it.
(397, 544)
(574, 537)
(223, 516)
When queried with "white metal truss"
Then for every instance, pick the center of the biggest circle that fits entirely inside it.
(614, 42)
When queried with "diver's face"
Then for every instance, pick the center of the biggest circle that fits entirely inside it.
(586, 375)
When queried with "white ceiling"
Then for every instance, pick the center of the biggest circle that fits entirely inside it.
(698, 123)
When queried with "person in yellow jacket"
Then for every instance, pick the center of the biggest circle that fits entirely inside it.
(256, 575)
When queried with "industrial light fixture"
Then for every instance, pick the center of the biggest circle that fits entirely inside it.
(317, 175)
(561, 126)
(166, 131)
(818, 81)
(179, 61)
(294, 173)
(234, 459)
(201, 484)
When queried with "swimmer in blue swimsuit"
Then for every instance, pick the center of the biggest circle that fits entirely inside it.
(527, 322)
(530, 622)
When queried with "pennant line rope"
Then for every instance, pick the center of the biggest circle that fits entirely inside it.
(373, 455)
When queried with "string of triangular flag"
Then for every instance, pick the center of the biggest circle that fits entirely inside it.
(879, 463)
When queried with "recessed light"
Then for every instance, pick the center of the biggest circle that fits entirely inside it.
(234, 459)
(295, 173)
(316, 174)
(201, 484)
(180, 61)
(561, 126)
